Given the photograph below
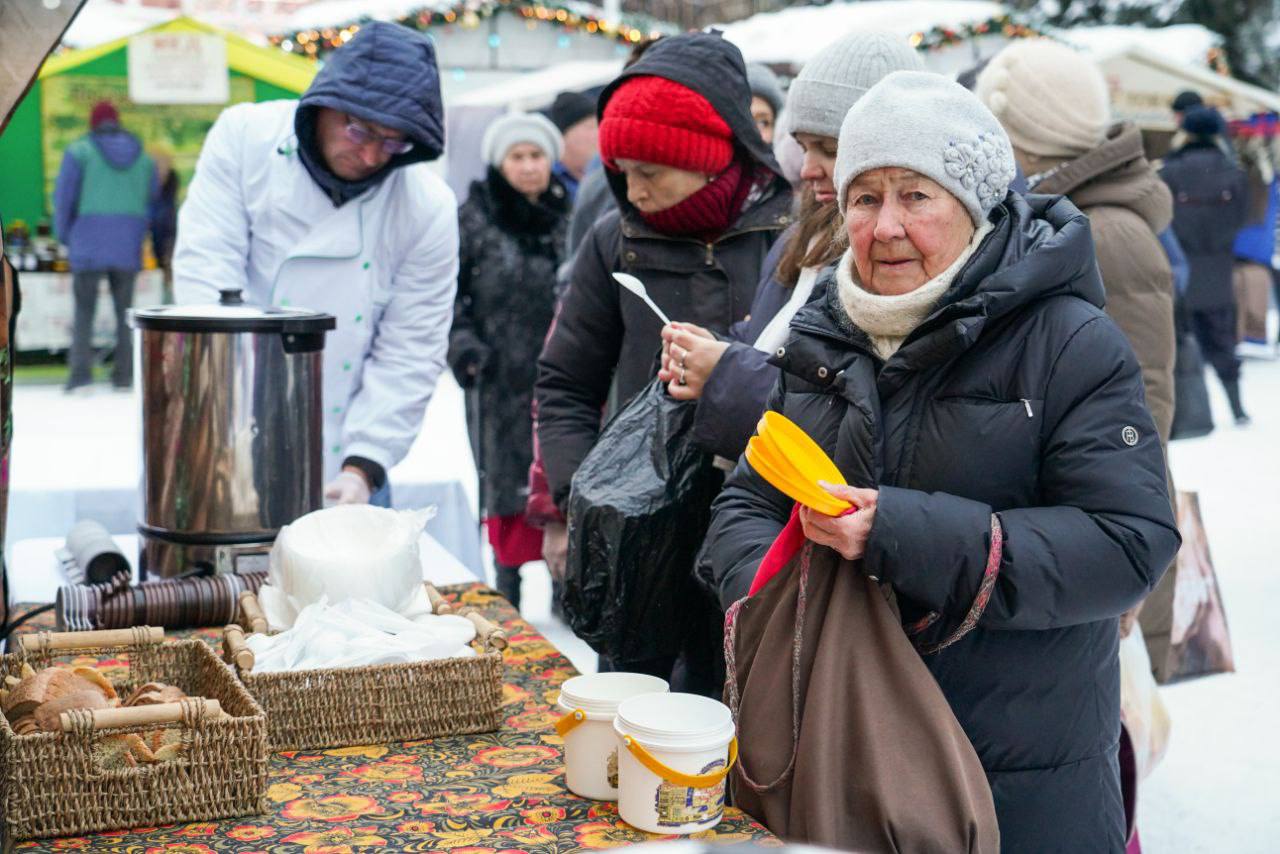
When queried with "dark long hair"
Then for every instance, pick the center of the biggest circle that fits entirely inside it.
(820, 224)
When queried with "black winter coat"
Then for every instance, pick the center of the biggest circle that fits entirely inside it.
(605, 336)
(509, 251)
(1017, 396)
(1210, 204)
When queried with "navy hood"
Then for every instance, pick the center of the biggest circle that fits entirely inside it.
(118, 147)
(386, 74)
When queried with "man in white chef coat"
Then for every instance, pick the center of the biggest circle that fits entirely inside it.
(327, 203)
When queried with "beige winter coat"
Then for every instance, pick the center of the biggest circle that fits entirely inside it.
(1127, 205)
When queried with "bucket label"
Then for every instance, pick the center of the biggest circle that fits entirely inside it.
(611, 769)
(680, 805)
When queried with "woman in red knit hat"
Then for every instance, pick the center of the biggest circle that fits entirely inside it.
(700, 202)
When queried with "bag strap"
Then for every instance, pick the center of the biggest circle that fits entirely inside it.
(731, 668)
(994, 554)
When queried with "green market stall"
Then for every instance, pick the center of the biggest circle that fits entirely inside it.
(56, 110)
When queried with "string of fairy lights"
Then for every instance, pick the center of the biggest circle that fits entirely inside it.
(316, 43)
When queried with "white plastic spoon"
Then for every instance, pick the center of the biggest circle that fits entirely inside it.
(636, 287)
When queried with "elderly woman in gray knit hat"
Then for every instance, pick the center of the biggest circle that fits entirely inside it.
(731, 378)
(1007, 476)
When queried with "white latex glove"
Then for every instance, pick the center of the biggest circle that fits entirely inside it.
(347, 488)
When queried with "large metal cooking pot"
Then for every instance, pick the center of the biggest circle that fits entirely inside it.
(231, 431)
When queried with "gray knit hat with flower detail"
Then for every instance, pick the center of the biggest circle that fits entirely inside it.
(924, 122)
(842, 72)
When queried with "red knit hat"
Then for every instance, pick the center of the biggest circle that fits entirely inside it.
(103, 112)
(657, 120)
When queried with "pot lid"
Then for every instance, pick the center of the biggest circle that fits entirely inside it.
(231, 314)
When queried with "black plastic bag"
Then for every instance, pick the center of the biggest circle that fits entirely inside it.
(638, 512)
(1191, 414)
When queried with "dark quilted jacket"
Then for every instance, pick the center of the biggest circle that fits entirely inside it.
(1018, 396)
(509, 252)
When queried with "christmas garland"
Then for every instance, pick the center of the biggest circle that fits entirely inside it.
(939, 37)
(316, 43)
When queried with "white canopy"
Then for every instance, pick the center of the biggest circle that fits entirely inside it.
(795, 35)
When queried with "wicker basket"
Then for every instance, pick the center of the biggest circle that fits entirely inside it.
(51, 784)
(377, 704)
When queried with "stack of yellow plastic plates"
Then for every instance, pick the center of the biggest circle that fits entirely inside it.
(787, 458)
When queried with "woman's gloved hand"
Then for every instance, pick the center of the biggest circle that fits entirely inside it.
(689, 355)
(846, 534)
(349, 487)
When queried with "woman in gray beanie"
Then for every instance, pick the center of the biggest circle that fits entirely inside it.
(766, 99)
(731, 378)
(512, 230)
(1008, 478)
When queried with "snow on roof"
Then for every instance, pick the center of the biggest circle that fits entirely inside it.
(1187, 43)
(101, 21)
(332, 13)
(795, 35)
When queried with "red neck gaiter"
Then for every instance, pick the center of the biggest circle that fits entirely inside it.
(710, 211)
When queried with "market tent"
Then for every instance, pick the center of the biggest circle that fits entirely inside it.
(56, 109)
(955, 34)
(1144, 82)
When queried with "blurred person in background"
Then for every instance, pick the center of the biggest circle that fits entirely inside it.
(1210, 204)
(512, 231)
(766, 99)
(102, 205)
(164, 212)
(574, 114)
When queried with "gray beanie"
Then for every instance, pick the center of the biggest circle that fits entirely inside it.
(512, 128)
(831, 82)
(924, 122)
(764, 84)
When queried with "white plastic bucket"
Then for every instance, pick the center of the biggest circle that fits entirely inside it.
(590, 746)
(674, 754)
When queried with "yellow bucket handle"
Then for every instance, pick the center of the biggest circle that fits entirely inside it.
(568, 723)
(679, 778)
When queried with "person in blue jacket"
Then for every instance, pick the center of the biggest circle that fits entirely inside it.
(101, 203)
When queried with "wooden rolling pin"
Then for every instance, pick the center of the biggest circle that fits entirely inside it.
(32, 643)
(234, 649)
(161, 713)
(439, 605)
(255, 620)
(486, 630)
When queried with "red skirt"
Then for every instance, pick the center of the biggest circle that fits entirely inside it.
(515, 542)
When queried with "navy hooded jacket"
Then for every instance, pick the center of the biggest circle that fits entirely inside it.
(387, 75)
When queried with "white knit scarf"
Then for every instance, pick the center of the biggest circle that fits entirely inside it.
(888, 320)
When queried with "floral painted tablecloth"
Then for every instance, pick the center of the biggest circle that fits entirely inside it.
(495, 793)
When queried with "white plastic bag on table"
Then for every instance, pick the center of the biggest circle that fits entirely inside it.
(346, 552)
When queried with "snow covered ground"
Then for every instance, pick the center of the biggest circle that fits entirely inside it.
(1216, 789)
